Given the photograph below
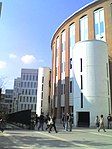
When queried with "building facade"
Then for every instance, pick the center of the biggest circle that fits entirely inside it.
(93, 21)
(28, 96)
(91, 86)
(9, 99)
(16, 93)
(43, 92)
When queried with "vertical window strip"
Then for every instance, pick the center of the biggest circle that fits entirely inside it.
(107, 69)
(63, 40)
(81, 100)
(80, 64)
(84, 28)
(99, 24)
(81, 82)
(70, 86)
(108, 86)
(72, 36)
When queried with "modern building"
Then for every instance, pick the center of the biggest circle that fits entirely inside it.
(43, 92)
(28, 96)
(16, 93)
(93, 21)
(9, 99)
(91, 86)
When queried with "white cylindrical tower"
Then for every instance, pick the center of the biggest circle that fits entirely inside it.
(91, 81)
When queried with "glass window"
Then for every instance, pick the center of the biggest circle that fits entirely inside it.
(30, 99)
(72, 36)
(27, 99)
(42, 95)
(81, 100)
(70, 63)
(70, 86)
(81, 82)
(81, 65)
(42, 79)
(63, 40)
(26, 77)
(99, 24)
(84, 28)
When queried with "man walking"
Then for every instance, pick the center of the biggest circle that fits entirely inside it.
(102, 124)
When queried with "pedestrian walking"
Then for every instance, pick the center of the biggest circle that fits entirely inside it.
(1, 125)
(66, 121)
(109, 119)
(37, 120)
(97, 121)
(41, 122)
(63, 120)
(52, 124)
(47, 120)
(70, 120)
(101, 124)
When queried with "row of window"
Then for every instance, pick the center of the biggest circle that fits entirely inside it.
(29, 84)
(29, 77)
(28, 99)
(29, 91)
(28, 106)
(99, 33)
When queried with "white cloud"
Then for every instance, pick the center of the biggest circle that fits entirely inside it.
(13, 56)
(28, 59)
(2, 64)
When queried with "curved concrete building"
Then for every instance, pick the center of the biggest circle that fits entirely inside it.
(92, 22)
(90, 81)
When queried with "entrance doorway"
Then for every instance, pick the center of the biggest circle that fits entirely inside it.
(83, 119)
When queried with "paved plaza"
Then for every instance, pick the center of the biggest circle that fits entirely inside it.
(79, 138)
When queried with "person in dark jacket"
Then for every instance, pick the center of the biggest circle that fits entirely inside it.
(1, 125)
(52, 124)
(41, 122)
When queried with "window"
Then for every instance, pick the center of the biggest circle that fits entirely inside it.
(63, 40)
(26, 77)
(42, 79)
(30, 99)
(70, 63)
(81, 82)
(107, 69)
(31, 84)
(31, 106)
(28, 84)
(42, 87)
(33, 99)
(84, 28)
(21, 84)
(33, 77)
(30, 77)
(72, 36)
(99, 24)
(81, 100)
(41, 103)
(57, 46)
(42, 95)
(61, 89)
(35, 85)
(70, 86)
(23, 77)
(64, 88)
(27, 99)
(108, 86)
(81, 65)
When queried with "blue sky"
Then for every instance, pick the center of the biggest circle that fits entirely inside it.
(26, 30)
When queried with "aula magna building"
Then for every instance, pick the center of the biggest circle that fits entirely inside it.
(82, 64)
